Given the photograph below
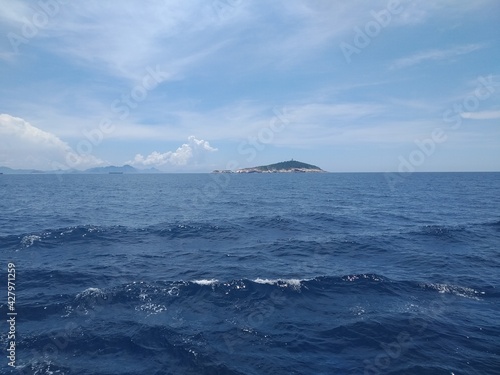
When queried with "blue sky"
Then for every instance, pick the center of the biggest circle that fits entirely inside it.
(200, 85)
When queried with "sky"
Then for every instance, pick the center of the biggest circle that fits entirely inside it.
(192, 86)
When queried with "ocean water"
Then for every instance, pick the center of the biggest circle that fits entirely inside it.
(252, 274)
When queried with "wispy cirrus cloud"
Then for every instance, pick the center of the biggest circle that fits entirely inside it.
(230, 65)
(483, 115)
(435, 55)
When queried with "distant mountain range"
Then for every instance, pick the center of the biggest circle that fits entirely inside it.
(128, 169)
(7, 170)
(292, 166)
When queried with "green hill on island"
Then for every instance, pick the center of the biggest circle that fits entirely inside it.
(292, 166)
(287, 165)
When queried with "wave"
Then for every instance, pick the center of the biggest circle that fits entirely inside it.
(282, 283)
(85, 234)
(155, 297)
(457, 290)
(199, 326)
(206, 282)
(274, 222)
(133, 346)
(494, 224)
(191, 230)
(460, 232)
(223, 230)
(54, 237)
(352, 283)
(439, 231)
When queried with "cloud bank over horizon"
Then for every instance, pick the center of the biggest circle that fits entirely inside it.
(24, 145)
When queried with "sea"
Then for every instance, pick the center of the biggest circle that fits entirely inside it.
(250, 274)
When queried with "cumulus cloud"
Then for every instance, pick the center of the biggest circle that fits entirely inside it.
(188, 152)
(23, 145)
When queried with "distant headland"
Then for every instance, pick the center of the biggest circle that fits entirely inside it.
(110, 169)
(292, 166)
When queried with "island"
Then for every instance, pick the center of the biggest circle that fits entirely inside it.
(292, 166)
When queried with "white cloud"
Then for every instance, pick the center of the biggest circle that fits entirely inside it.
(122, 40)
(435, 55)
(102, 50)
(23, 145)
(14, 12)
(7, 56)
(188, 152)
(484, 115)
(335, 112)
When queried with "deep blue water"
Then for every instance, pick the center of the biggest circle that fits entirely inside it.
(252, 274)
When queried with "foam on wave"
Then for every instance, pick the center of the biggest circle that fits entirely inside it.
(205, 282)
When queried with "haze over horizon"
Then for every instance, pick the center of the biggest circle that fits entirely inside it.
(363, 86)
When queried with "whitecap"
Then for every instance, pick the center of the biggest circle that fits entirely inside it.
(28, 241)
(90, 292)
(265, 281)
(282, 283)
(87, 300)
(455, 290)
(206, 282)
